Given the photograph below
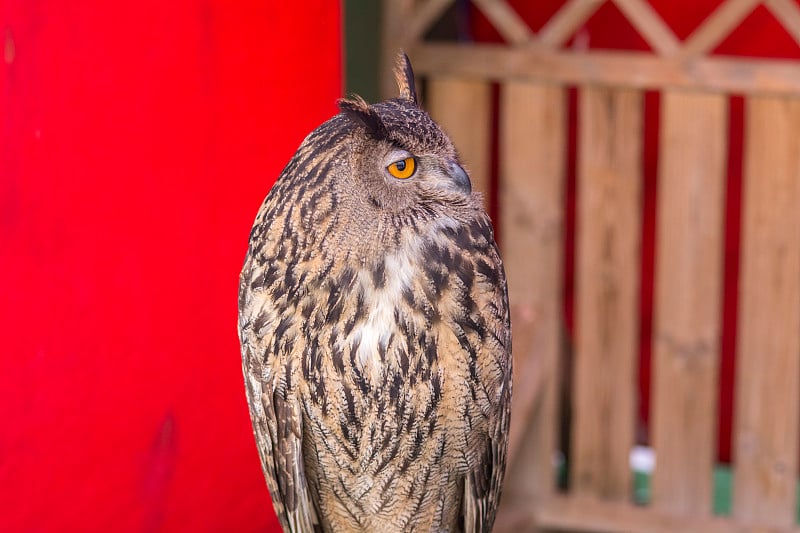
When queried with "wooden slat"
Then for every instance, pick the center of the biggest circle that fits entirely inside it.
(574, 514)
(717, 26)
(566, 21)
(626, 69)
(607, 285)
(404, 23)
(787, 12)
(505, 20)
(423, 17)
(768, 362)
(686, 325)
(463, 108)
(532, 166)
(650, 26)
(394, 38)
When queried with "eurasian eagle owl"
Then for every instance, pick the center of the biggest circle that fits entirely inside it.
(375, 334)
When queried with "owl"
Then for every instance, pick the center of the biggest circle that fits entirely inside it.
(375, 331)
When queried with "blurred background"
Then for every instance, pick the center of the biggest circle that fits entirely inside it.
(137, 141)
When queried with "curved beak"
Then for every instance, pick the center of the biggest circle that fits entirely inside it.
(460, 178)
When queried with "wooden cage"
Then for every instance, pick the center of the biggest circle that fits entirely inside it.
(533, 72)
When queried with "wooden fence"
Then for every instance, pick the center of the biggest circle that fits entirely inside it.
(534, 72)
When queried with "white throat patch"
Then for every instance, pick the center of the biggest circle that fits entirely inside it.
(376, 331)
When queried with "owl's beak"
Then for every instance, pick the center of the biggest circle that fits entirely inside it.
(460, 178)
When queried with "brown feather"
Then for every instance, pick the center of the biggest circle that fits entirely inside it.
(357, 109)
(404, 75)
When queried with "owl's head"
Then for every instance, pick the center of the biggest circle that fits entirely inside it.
(401, 158)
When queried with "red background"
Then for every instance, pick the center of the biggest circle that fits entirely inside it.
(137, 140)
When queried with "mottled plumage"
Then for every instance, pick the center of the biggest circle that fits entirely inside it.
(374, 326)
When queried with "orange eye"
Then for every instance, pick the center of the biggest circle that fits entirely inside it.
(403, 169)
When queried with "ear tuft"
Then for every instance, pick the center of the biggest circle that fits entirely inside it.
(404, 75)
(359, 111)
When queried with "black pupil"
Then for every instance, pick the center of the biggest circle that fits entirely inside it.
(401, 165)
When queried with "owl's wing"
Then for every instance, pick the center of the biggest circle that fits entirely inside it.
(484, 480)
(275, 411)
(487, 464)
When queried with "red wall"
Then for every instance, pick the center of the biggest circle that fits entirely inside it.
(137, 140)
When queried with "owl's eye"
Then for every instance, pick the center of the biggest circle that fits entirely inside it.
(403, 169)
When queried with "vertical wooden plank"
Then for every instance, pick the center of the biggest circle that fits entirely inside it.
(607, 288)
(532, 174)
(686, 324)
(462, 106)
(768, 362)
